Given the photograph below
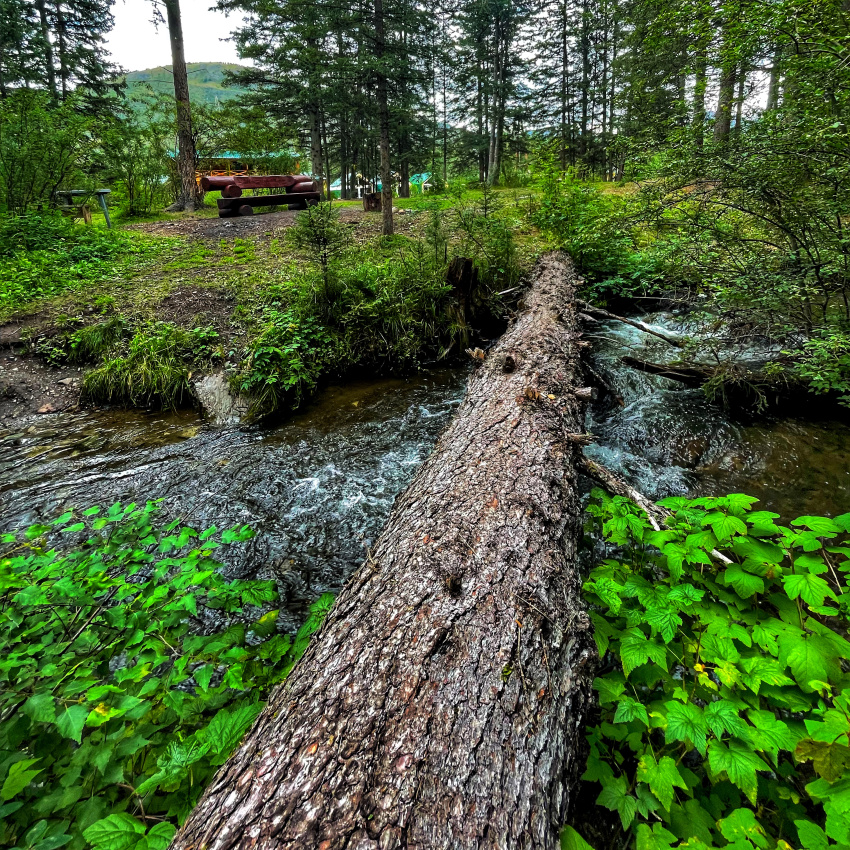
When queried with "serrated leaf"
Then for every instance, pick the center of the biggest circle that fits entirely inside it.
(41, 708)
(818, 524)
(228, 727)
(70, 721)
(739, 763)
(116, 832)
(810, 657)
(685, 722)
(744, 583)
(615, 796)
(636, 649)
(812, 837)
(661, 777)
(742, 825)
(811, 588)
(629, 709)
(656, 838)
(722, 717)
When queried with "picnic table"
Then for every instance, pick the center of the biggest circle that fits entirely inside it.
(299, 191)
(74, 203)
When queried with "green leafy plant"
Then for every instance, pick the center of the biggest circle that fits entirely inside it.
(285, 360)
(320, 233)
(724, 700)
(115, 709)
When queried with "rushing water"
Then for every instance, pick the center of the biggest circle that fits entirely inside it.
(669, 440)
(319, 487)
(316, 489)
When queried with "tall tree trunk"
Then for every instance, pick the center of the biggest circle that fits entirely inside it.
(383, 123)
(565, 71)
(773, 85)
(48, 49)
(61, 45)
(188, 197)
(739, 98)
(726, 93)
(479, 117)
(585, 74)
(315, 126)
(700, 86)
(443, 702)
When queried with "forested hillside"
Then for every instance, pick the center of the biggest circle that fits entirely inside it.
(461, 462)
(205, 82)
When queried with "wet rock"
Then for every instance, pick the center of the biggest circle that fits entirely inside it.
(47, 408)
(219, 404)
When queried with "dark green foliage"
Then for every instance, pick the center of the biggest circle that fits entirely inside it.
(154, 369)
(725, 709)
(115, 710)
(320, 234)
(286, 360)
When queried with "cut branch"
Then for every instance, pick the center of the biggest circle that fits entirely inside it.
(443, 702)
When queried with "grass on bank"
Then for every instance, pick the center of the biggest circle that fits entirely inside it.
(312, 302)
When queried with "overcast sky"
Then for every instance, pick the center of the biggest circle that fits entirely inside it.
(136, 44)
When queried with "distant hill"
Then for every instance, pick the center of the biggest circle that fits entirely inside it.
(204, 81)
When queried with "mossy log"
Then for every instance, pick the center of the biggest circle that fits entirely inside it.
(443, 702)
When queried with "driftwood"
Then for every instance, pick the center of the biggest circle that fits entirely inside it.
(691, 376)
(442, 704)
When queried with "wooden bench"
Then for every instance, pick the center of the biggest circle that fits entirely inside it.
(300, 190)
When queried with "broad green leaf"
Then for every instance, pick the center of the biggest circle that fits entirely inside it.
(636, 649)
(20, 775)
(70, 721)
(742, 824)
(810, 657)
(818, 524)
(41, 707)
(629, 709)
(686, 723)
(812, 588)
(739, 763)
(615, 796)
(115, 832)
(744, 583)
(812, 837)
(159, 836)
(228, 727)
(571, 840)
(656, 838)
(722, 717)
(661, 777)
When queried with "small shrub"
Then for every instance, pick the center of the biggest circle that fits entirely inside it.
(115, 710)
(319, 232)
(154, 370)
(286, 360)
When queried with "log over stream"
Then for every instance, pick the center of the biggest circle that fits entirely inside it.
(443, 702)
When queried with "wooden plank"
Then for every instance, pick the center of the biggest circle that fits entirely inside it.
(270, 181)
(212, 184)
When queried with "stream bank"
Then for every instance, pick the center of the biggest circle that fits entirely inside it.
(319, 486)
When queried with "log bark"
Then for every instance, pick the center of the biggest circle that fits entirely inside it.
(442, 704)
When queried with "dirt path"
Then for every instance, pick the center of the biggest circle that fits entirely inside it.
(262, 224)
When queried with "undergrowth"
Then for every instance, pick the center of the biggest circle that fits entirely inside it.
(724, 693)
(155, 368)
(130, 669)
(42, 256)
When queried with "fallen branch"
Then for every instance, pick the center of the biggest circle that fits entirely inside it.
(656, 514)
(598, 311)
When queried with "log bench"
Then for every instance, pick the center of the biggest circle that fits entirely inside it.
(229, 207)
(300, 190)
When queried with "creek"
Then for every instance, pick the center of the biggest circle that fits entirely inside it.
(318, 487)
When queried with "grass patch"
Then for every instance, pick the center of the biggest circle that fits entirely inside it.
(155, 369)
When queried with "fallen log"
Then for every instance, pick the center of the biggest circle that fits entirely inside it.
(442, 704)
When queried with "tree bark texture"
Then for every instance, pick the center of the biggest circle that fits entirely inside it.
(189, 197)
(383, 123)
(442, 704)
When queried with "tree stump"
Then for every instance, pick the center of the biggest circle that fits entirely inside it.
(443, 702)
(372, 202)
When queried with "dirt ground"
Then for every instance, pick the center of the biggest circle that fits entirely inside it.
(29, 386)
(262, 224)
